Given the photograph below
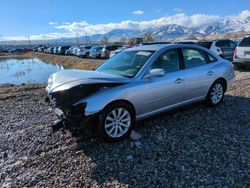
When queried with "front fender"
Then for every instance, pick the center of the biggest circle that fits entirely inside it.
(98, 101)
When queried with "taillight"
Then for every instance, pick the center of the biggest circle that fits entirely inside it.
(235, 52)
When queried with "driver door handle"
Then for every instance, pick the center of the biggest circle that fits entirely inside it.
(178, 80)
(210, 73)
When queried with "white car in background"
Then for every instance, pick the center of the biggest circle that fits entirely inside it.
(69, 51)
(224, 48)
(242, 51)
(83, 51)
(113, 53)
(74, 51)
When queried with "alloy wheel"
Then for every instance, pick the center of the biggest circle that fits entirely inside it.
(117, 122)
(217, 93)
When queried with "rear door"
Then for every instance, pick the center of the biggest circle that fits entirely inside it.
(199, 74)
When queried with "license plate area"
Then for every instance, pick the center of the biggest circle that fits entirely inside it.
(247, 54)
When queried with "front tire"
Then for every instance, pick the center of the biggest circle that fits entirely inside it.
(116, 122)
(216, 93)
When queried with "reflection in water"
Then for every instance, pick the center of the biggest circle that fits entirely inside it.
(18, 71)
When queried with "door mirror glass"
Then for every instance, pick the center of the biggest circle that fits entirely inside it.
(155, 73)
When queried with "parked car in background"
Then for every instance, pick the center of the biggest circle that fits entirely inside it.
(105, 52)
(83, 51)
(169, 76)
(115, 52)
(61, 49)
(50, 50)
(45, 49)
(75, 50)
(40, 49)
(224, 48)
(69, 51)
(2, 50)
(35, 49)
(95, 52)
(17, 50)
(55, 50)
(242, 51)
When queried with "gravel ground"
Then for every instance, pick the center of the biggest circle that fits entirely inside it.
(192, 146)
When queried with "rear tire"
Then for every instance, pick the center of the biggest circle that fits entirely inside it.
(116, 122)
(216, 93)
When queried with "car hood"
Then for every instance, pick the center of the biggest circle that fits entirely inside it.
(67, 79)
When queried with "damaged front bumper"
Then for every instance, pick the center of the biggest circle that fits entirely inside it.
(71, 117)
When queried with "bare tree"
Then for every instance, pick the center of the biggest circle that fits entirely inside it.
(148, 37)
(191, 37)
(122, 40)
(131, 41)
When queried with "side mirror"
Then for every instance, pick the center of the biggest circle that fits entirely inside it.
(155, 73)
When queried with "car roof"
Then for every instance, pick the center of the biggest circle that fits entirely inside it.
(153, 47)
(156, 47)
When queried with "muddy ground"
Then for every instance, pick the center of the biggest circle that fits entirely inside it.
(191, 146)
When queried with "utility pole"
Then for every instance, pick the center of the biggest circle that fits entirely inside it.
(44, 40)
(29, 42)
(1, 41)
(77, 39)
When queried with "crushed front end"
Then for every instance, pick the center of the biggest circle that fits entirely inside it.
(69, 115)
(70, 112)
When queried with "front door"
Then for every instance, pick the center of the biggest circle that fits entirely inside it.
(159, 93)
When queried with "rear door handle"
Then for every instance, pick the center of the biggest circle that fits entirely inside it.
(210, 73)
(178, 80)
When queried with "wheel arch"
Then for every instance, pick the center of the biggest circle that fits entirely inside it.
(224, 81)
(122, 101)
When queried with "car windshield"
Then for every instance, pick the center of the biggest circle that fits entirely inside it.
(126, 63)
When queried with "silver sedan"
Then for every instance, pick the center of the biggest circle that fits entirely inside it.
(135, 84)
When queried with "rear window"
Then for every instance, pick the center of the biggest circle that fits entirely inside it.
(226, 44)
(245, 42)
(222, 44)
(205, 44)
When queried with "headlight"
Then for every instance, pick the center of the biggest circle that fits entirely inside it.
(50, 82)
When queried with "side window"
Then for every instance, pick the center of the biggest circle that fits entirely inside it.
(193, 58)
(168, 61)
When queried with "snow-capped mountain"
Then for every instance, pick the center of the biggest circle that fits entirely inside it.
(226, 25)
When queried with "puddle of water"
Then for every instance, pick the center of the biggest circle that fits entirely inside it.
(18, 71)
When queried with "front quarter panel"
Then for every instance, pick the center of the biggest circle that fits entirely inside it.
(98, 101)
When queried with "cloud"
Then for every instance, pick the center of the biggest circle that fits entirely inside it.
(72, 29)
(83, 27)
(138, 12)
(53, 23)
